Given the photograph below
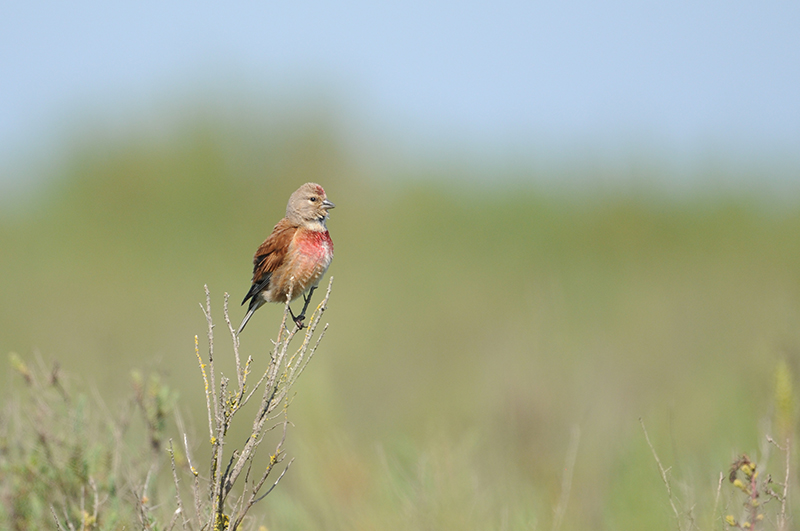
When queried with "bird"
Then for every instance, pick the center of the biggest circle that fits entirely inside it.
(295, 256)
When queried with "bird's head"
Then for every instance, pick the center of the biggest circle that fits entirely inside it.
(309, 206)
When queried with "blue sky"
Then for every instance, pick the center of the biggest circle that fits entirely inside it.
(682, 77)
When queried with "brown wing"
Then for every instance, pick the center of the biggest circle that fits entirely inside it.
(270, 255)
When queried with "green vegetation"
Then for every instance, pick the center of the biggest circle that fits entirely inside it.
(470, 328)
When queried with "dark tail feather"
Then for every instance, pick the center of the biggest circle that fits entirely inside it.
(255, 304)
(247, 317)
(250, 293)
(257, 287)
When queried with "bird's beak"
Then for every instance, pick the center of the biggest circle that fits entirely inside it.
(327, 205)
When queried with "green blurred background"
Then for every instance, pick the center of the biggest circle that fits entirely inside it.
(472, 326)
(553, 220)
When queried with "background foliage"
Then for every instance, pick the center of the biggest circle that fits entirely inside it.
(472, 324)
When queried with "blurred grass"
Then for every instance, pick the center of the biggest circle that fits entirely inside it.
(471, 326)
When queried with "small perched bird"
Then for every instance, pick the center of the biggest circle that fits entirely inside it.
(295, 256)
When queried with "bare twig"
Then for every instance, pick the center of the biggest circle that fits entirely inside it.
(192, 468)
(143, 499)
(207, 313)
(178, 501)
(96, 504)
(663, 476)
(55, 517)
(276, 481)
(240, 374)
(275, 458)
(782, 522)
(282, 371)
(566, 479)
(173, 519)
(716, 497)
(275, 389)
(83, 507)
(195, 483)
(66, 519)
(207, 389)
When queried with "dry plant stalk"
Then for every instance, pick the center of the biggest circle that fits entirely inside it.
(64, 461)
(782, 519)
(566, 479)
(757, 489)
(664, 477)
(219, 510)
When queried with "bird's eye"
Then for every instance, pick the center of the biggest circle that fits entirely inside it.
(312, 199)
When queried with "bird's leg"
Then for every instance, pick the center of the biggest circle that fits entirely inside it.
(297, 320)
(306, 299)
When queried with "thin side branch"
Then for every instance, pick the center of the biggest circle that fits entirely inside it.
(663, 476)
(716, 498)
(178, 501)
(55, 517)
(279, 380)
(566, 480)
(207, 389)
(784, 497)
(282, 371)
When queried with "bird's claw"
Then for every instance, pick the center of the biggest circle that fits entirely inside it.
(299, 321)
